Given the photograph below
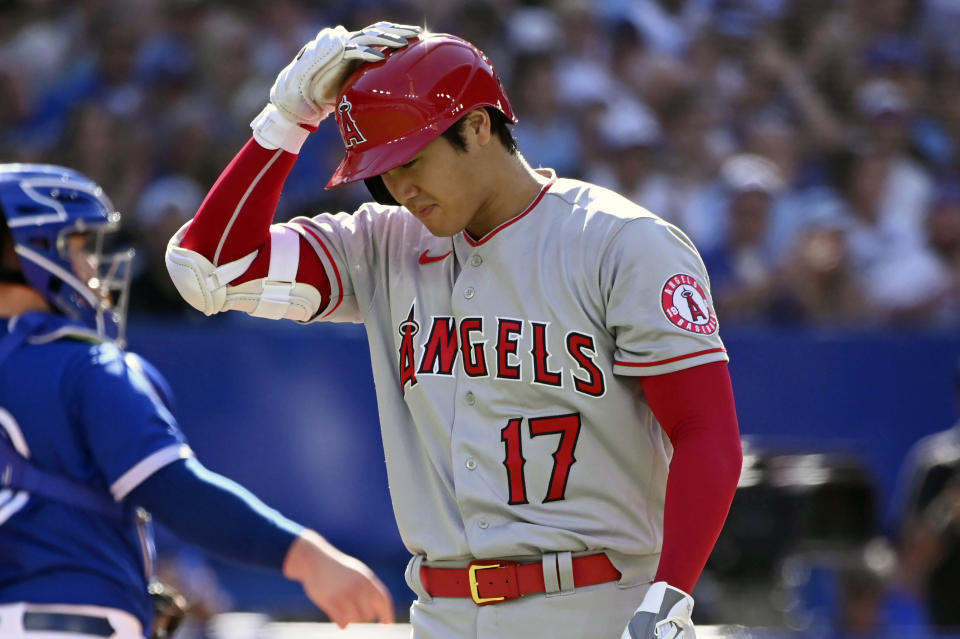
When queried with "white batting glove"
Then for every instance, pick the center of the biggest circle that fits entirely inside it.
(663, 614)
(305, 91)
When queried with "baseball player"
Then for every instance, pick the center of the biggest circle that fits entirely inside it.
(87, 442)
(544, 351)
(927, 509)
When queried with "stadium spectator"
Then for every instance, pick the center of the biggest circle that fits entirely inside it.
(548, 134)
(115, 88)
(817, 282)
(943, 237)
(629, 135)
(742, 271)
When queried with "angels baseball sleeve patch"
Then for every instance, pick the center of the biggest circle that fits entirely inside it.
(685, 304)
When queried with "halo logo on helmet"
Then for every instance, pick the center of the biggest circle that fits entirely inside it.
(43, 206)
(406, 101)
(348, 127)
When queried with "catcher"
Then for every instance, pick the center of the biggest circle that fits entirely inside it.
(88, 444)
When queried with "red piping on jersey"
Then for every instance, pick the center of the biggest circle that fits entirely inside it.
(336, 271)
(533, 205)
(672, 359)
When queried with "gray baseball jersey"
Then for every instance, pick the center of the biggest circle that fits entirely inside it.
(512, 423)
(510, 419)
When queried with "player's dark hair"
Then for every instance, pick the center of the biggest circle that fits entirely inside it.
(9, 272)
(6, 237)
(499, 126)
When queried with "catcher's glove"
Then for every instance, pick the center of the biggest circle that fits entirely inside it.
(169, 609)
(663, 614)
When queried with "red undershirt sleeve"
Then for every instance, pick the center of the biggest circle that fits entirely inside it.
(696, 409)
(234, 219)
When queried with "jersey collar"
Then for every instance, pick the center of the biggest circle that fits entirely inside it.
(552, 178)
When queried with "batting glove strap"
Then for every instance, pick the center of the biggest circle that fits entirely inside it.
(272, 129)
(663, 614)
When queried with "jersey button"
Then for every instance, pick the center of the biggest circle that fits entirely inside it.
(471, 463)
(470, 398)
(476, 260)
(483, 523)
(469, 293)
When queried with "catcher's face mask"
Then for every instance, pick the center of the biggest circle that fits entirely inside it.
(60, 221)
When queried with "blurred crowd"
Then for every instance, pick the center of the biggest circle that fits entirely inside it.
(808, 147)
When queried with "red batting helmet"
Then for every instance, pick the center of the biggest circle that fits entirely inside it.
(389, 110)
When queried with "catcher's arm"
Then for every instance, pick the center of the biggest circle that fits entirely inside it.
(342, 586)
(225, 519)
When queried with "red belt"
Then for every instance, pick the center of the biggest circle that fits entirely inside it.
(492, 581)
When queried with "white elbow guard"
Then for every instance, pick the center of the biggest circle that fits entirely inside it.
(199, 282)
(277, 296)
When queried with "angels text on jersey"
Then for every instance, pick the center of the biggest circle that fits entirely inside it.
(466, 343)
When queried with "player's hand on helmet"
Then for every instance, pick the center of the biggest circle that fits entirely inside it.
(306, 89)
(340, 585)
(362, 46)
(663, 614)
(304, 92)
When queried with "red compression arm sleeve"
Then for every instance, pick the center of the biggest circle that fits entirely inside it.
(235, 217)
(696, 409)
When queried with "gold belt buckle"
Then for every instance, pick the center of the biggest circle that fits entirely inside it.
(474, 592)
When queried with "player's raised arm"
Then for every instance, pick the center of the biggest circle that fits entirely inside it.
(229, 256)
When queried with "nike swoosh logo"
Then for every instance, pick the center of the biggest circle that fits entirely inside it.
(426, 258)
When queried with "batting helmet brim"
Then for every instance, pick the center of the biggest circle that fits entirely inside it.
(359, 165)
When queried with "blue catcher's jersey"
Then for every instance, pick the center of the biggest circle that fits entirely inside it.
(83, 409)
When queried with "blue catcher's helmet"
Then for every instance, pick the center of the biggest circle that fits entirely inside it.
(44, 205)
